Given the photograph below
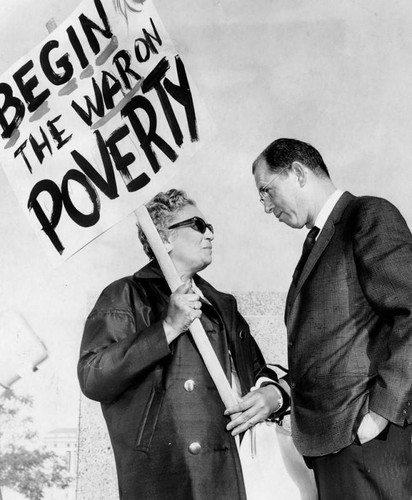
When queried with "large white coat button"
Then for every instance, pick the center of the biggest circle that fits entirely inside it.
(189, 385)
(195, 448)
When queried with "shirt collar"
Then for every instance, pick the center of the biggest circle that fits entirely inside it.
(327, 208)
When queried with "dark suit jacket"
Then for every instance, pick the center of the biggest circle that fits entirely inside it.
(349, 324)
(162, 409)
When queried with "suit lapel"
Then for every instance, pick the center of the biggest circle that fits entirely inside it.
(322, 242)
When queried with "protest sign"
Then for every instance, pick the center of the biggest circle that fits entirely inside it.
(93, 121)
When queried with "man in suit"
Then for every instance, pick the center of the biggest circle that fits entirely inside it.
(349, 326)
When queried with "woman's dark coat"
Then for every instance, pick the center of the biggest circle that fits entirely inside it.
(164, 415)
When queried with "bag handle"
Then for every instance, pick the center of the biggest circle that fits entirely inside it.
(279, 420)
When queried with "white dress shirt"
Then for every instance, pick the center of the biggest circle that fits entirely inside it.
(326, 210)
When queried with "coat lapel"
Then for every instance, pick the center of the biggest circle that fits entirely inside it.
(322, 242)
(224, 309)
(221, 303)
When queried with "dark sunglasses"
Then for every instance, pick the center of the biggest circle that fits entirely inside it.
(195, 223)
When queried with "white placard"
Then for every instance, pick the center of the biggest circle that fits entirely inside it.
(93, 122)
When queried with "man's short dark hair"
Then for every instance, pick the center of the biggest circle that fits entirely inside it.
(281, 153)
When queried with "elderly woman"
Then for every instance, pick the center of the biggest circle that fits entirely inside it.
(165, 418)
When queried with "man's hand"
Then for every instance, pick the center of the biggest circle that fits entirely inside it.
(184, 308)
(371, 426)
(254, 407)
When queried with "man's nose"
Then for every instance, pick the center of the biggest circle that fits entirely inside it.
(268, 205)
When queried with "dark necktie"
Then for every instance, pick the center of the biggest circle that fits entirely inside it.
(307, 248)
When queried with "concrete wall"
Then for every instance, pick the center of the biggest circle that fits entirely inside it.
(97, 473)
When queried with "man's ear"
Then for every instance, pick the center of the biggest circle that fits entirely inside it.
(300, 171)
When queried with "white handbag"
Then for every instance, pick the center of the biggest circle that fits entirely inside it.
(273, 468)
